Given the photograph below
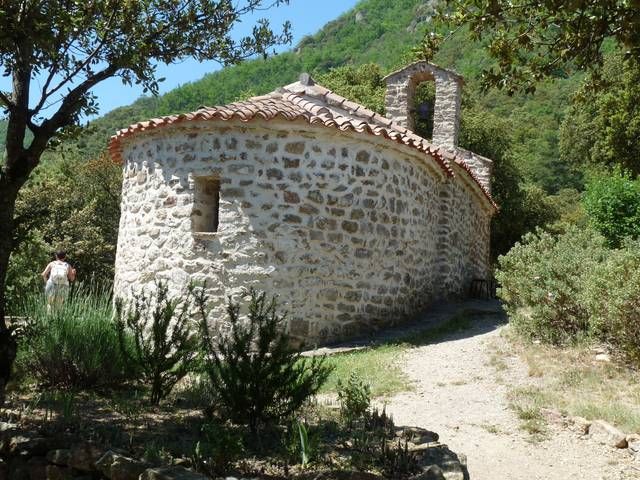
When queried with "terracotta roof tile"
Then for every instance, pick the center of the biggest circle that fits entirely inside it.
(314, 104)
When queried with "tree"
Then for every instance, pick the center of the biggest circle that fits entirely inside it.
(612, 204)
(71, 46)
(534, 39)
(68, 203)
(602, 126)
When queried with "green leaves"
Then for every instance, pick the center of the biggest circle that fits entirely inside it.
(531, 41)
(612, 203)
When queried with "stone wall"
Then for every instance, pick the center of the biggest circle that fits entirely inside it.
(352, 231)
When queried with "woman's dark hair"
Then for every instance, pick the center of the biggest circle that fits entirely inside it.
(61, 254)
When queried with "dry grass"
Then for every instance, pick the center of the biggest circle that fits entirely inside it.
(573, 381)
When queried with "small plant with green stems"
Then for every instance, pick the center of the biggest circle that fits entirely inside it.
(258, 376)
(305, 446)
(354, 398)
(75, 344)
(165, 341)
(220, 446)
(302, 443)
(396, 460)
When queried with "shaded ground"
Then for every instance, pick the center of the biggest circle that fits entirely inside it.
(462, 393)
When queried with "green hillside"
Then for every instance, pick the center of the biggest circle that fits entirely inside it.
(384, 34)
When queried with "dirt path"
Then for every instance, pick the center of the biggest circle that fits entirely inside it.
(460, 395)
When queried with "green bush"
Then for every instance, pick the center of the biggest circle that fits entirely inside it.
(613, 297)
(542, 281)
(165, 347)
(73, 345)
(612, 204)
(354, 398)
(258, 376)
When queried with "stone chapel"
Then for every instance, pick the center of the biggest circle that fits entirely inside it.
(351, 218)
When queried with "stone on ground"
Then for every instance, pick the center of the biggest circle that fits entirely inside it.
(59, 457)
(433, 472)
(607, 434)
(633, 444)
(118, 467)
(171, 473)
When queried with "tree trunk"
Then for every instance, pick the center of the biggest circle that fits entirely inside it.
(7, 338)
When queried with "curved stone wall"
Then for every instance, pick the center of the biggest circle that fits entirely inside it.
(350, 230)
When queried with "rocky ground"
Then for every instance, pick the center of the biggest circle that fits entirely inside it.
(463, 396)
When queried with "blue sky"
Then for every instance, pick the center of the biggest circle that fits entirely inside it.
(306, 17)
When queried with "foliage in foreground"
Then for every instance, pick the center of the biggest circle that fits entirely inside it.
(613, 299)
(258, 376)
(542, 280)
(560, 288)
(165, 345)
(73, 345)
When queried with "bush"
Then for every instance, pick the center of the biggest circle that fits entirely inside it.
(612, 204)
(613, 297)
(542, 280)
(354, 398)
(258, 376)
(165, 347)
(220, 446)
(74, 345)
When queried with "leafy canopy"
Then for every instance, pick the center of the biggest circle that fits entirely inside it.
(612, 204)
(532, 40)
(83, 40)
(602, 126)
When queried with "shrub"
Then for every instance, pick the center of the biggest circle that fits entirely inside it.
(220, 446)
(74, 345)
(613, 297)
(258, 376)
(612, 204)
(542, 280)
(165, 347)
(354, 398)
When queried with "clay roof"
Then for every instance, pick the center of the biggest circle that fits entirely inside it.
(315, 104)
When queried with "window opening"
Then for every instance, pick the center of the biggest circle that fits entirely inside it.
(424, 102)
(206, 206)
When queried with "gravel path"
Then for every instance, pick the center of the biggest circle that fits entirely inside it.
(458, 395)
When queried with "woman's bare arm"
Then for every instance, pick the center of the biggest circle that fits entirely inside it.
(47, 271)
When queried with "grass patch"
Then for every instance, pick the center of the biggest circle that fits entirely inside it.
(571, 380)
(527, 402)
(379, 365)
(491, 428)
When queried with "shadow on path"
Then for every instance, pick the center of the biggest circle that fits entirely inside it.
(441, 322)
